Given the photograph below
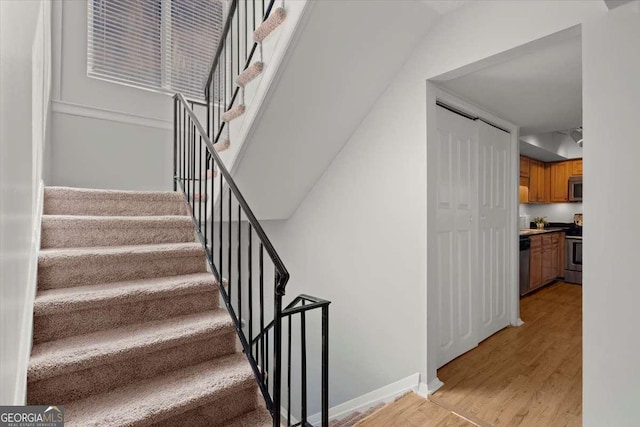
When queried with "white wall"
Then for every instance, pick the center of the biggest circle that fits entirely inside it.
(24, 98)
(611, 96)
(359, 238)
(104, 135)
(555, 212)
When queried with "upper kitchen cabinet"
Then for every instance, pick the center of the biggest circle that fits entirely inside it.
(524, 167)
(575, 166)
(536, 181)
(559, 182)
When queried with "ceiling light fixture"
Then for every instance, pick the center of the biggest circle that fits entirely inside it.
(576, 135)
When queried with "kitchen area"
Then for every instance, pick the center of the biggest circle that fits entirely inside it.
(550, 214)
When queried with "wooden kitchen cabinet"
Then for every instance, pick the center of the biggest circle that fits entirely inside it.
(535, 263)
(549, 259)
(559, 185)
(561, 254)
(576, 167)
(524, 167)
(536, 181)
(547, 182)
(546, 262)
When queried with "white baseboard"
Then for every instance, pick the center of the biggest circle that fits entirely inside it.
(26, 328)
(382, 395)
(518, 322)
(80, 110)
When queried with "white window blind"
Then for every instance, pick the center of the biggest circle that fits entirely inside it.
(165, 45)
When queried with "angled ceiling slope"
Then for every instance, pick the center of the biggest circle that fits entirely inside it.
(343, 58)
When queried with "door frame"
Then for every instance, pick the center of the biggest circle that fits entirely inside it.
(435, 93)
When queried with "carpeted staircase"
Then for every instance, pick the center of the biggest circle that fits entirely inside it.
(127, 324)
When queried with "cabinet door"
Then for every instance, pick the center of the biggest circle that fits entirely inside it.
(559, 182)
(561, 255)
(535, 263)
(536, 182)
(576, 167)
(524, 167)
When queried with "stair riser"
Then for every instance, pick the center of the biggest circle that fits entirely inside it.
(81, 271)
(76, 238)
(75, 385)
(216, 413)
(114, 207)
(71, 323)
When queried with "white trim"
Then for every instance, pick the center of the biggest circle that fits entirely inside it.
(518, 322)
(26, 328)
(73, 109)
(384, 394)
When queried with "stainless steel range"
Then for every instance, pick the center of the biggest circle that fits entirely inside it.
(573, 256)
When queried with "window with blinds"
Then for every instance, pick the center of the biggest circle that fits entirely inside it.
(166, 45)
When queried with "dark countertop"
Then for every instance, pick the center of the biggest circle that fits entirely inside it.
(536, 231)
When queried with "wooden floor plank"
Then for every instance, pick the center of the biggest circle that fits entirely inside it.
(412, 410)
(529, 375)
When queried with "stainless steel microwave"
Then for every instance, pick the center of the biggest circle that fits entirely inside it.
(575, 188)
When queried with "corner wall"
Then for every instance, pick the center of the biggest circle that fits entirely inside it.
(25, 67)
(611, 94)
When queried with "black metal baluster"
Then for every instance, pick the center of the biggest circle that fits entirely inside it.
(239, 264)
(231, 61)
(325, 366)
(254, 15)
(266, 363)
(303, 363)
(213, 207)
(262, 331)
(289, 372)
(238, 37)
(200, 187)
(192, 143)
(175, 141)
(184, 148)
(221, 230)
(246, 31)
(250, 291)
(229, 249)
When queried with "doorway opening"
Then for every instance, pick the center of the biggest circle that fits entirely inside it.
(504, 153)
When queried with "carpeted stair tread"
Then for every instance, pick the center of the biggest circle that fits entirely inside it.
(73, 193)
(59, 231)
(258, 418)
(51, 256)
(84, 351)
(67, 267)
(64, 300)
(151, 401)
(83, 201)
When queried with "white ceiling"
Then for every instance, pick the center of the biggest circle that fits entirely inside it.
(539, 91)
(445, 6)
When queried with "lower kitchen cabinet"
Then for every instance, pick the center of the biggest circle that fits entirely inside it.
(535, 263)
(546, 263)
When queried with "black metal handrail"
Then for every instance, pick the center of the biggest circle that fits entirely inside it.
(216, 205)
(300, 306)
